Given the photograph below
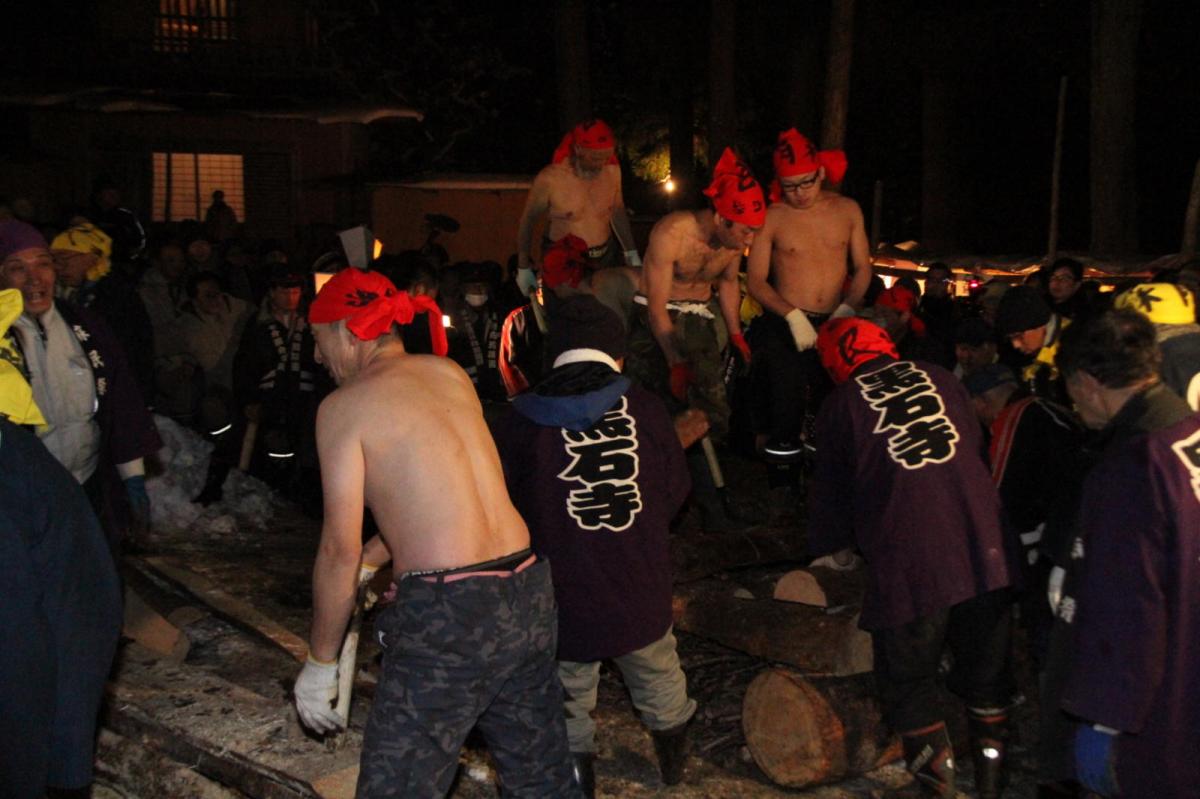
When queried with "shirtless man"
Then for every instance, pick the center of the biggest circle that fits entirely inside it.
(580, 193)
(674, 342)
(470, 636)
(796, 271)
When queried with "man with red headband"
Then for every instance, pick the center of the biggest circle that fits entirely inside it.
(579, 193)
(675, 340)
(899, 477)
(797, 271)
(470, 637)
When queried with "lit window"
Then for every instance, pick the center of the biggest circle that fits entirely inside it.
(184, 184)
(181, 23)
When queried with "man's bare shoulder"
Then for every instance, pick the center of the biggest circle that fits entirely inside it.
(675, 224)
(554, 173)
(841, 204)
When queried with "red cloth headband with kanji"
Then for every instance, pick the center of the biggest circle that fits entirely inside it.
(370, 304)
(796, 155)
(593, 134)
(735, 193)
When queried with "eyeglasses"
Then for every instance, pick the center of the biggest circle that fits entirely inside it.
(800, 185)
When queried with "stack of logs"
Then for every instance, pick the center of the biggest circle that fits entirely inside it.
(809, 715)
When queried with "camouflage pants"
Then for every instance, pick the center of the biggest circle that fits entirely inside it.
(700, 342)
(456, 654)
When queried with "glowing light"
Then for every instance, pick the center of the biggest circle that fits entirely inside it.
(320, 279)
(991, 753)
(669, 185)
(378, 248)
(446, 320)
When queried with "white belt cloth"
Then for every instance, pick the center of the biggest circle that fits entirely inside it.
(700, 309)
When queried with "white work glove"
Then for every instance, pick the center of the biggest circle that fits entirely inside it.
(1054, 587)
(841, 311)
(632, 258)
(526, 280)
(844, 560)
(315, 690)
(365, 573)
(803, 333)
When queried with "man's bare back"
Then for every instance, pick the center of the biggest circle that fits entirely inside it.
(804, 252)
(430, 470)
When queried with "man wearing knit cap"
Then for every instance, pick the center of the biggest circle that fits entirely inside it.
(579, 193)
(1024, 318)
(594, 465)
(470, 637)
(675, 338)
(898, 476)
(797, 270)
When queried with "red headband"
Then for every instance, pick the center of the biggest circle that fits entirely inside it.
(735, 193)
(563, 261)
(594, 134)
(796, 155)
(902, 299)
(370, 304)
(847, 343)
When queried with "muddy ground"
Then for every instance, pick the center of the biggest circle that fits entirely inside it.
(270, 568)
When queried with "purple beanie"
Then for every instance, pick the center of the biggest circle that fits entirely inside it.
(16, 235)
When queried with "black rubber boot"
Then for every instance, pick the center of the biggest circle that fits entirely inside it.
(213, 482)
(929, 757)
(672, 747)
(989, 733)
(583, 772)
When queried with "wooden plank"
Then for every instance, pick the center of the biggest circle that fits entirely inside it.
(234, 610)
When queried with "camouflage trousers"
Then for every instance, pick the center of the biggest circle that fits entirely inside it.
(700, 342)
(475, 651)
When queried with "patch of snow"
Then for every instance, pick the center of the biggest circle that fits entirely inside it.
(247, 501)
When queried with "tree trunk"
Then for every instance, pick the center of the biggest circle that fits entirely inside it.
(1115, 26)
(1191, 219)
(822, 588)
(571, 61)
(722, 108)
(805, 637)
(940, 192)
(1056, 170)
(837, 75)
(682, 122)
(803, 731)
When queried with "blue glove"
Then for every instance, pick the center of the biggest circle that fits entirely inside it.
(1094, 760)
(139, 504)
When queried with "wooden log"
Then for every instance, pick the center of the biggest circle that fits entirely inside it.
(802, 731)
(232, 609)
(805, 637)
(142, 771)
(822, 588)
(146, 626)
(698, 555)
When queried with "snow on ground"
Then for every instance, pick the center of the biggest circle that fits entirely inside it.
(247, 501)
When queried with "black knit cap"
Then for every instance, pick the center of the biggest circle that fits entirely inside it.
(583, 322)
(1021, 308)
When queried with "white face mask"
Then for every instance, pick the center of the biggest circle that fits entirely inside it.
(476, 300)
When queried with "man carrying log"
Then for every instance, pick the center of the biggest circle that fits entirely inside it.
(798, 270)
(470, 637)
(580, 194)
(593, 463)
(895, 434)
(674, 340)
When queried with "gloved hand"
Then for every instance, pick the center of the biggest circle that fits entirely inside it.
(315, 690)
(526, 280)
(841, 311)
(681, 378)
(739, 341)
(1054, 587)
(803, 332)
(632, 258)
(1095, 753)
(139, 504)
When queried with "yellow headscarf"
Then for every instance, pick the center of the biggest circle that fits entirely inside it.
(87, 238)
(16, 397)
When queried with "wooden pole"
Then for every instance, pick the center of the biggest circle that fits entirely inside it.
(1191, 219)
(722, 124)
(1056, 170)
(837, 75)
(571, 57)
(876, 215)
